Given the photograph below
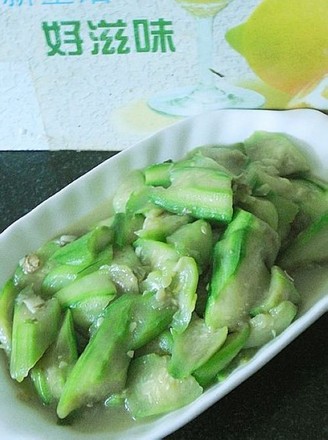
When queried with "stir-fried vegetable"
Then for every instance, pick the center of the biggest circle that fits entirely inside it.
(165, 298)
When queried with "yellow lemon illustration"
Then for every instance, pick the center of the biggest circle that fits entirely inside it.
(285, 42)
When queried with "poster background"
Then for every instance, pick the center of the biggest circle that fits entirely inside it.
(96, 101)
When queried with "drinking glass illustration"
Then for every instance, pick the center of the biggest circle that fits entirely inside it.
(212, 91)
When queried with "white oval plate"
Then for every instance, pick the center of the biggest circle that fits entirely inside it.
(82, 199)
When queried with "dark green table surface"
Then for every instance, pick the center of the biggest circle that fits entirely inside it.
(286, 400)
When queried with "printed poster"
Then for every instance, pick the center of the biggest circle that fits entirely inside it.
(103, 74)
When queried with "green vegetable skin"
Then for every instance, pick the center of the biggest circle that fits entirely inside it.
(50, 373)
(189, 276)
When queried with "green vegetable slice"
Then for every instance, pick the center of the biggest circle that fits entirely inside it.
(309, 247)
(194, 347)
(35, 326)
(281, 288)
(233, 344)
(200, 203)
(7, 302)
(133, 182)
(201, 192)
(194, 240)
(159, 224)
(155, 254)
(158, 174)
(231, 159)
(50, 373)
(150, 316)
(240, 270)
(102, 367)
(83, 250)
(266, 326)
(95, 284)
(151, 390)
(125, 227)
(184, 291)
(278, 150)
